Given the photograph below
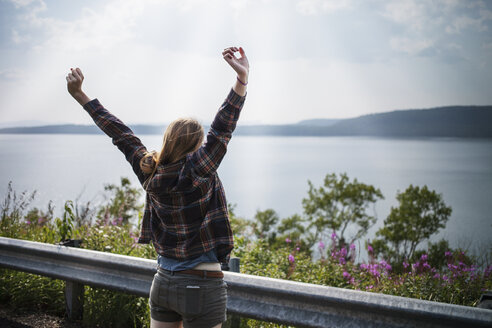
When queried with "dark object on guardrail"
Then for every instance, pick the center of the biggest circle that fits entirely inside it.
(281, 301)
(485, 300)
(71, 242)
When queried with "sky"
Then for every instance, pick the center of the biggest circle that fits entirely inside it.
(152, 61)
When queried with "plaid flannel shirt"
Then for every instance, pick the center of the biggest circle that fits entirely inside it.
(185, 209)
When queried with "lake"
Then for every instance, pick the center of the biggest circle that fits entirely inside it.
(272, 172)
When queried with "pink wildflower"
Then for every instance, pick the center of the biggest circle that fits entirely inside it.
(452, 266)
(287, 240)
(385, 265)
(487, 271)
(291, 258)
(352, 246)
(343, 252)
(321, 245)
(370, 249)
(374, 271)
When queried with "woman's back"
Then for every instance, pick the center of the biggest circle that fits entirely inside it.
(186, 209)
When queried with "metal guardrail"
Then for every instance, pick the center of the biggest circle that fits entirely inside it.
(268, 299)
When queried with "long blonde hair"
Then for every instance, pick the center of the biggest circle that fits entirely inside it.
(183, 136)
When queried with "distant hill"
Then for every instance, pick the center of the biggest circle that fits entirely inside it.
(319, 122)
(452, 121)
(54, 129)
(79, 129)
(455, 121)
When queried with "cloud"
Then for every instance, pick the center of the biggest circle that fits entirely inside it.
(25, 3)
(314, 7)
(18, 38)
(412, 14)
(487, 46)
(12, 74)
(430, 27)
(426, 16)
(463, 22)
(94, 29)
(32, 7)
(410, 46)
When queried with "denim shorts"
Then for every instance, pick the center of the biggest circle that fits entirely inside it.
(199, 302)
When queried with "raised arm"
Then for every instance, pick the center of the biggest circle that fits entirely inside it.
(122, 136)
(208, 157)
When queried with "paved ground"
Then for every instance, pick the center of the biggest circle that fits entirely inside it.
(11, 319)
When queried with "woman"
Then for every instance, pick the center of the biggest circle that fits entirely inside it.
(185, 213)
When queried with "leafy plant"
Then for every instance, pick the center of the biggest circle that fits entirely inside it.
(239, 225)
(420, 214)
(338, 204)
(264, 224)
(65, 226)
(122, 204)
(12, 211)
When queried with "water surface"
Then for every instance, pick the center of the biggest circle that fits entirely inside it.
(272, 172)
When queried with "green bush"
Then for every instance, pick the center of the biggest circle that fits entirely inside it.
(25, 291)
(107, 308)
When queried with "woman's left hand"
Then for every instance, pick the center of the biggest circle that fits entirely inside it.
(74, 86)
(240, 65)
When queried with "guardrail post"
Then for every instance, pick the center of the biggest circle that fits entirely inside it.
(234, 264)
(74, 300)
(235, 320)
(74, 291)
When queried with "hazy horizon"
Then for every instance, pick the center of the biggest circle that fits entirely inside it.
(36, 123)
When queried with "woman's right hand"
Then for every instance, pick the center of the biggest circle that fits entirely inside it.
(240, 65)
